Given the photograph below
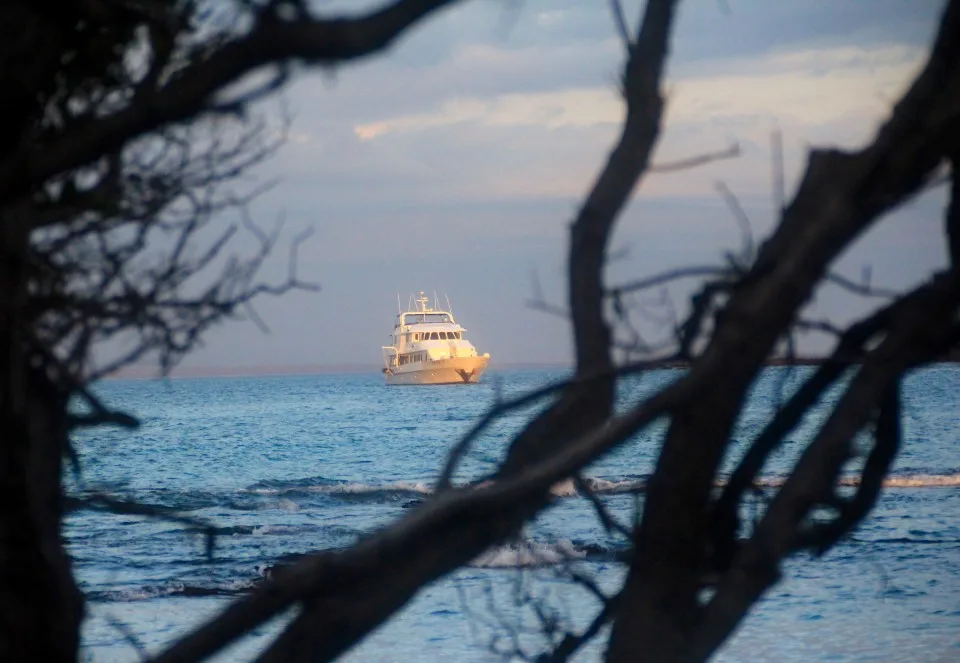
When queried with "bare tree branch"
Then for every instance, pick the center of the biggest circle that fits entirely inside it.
(823, 536)
(606, 518)
(863, 289)
(93, 501)
(672, 275)
(840, 196)
(620, 20)
(316, 41)
(743, 223)
(693, 162)
(921, 330)
(572, 643)
(462, 447)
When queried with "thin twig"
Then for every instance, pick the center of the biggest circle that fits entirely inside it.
(607, 519)
(743, 221)
(620, 21)
(671, 275)
(731, 152)
(864, 289)
(462, 447)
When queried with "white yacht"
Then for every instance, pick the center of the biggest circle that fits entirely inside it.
(429, 348)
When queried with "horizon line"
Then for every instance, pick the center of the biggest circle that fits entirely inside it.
(150, 371)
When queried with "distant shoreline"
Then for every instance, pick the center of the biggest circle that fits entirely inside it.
(150, 372)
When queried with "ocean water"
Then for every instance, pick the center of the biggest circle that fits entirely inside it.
(284, 465)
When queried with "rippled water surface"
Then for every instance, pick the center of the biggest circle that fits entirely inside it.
(284, 465)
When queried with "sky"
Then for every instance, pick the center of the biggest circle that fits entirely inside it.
(455, 163)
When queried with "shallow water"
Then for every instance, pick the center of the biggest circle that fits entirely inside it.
(291, 464)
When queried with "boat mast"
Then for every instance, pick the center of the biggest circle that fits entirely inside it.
(422, 301)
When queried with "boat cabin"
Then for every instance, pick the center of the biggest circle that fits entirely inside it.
(425, 334)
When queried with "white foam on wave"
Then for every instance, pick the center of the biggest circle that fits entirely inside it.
(922, 481)
(893, 481)
(607, 486)
(147, 593)
(567, 487)
(564, 488)
(528, 554)
(345, 488)
(417, 487)
(275, 529)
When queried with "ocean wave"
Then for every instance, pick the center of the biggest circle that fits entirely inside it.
(520, 554)
(529, 554)
(389, 491)
(167, 590)
(417, 490)
(397, 490)
(892, 481)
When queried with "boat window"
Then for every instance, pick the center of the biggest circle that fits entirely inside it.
(459, 336)
(434, 337)
(443, 336)
(420, 318)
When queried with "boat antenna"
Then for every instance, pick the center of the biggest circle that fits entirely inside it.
(436, 302)
(399, 310)
(447, 297)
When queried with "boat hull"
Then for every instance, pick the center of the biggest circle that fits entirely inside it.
(457, 370)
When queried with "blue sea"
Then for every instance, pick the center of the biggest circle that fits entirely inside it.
(293, 464)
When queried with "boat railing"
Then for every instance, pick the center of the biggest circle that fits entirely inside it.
(396, 355)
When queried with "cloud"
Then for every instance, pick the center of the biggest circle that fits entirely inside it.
(549, 143)
(803, 88)
(550, 110)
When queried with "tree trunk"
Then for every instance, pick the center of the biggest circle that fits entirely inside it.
(40, 605)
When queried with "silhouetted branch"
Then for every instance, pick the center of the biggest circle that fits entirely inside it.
(461, 448)
(776, 156)
(572, 643)
(918, 331)
(129, 637)
(621, 23)
(743, 222)
(850, 349)
(670, 276)
(693, 162)
(606, 518)
(190, 91)
(840, 196)
(822, 326)
(864, 289)
(100, 502)
(887, 437)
